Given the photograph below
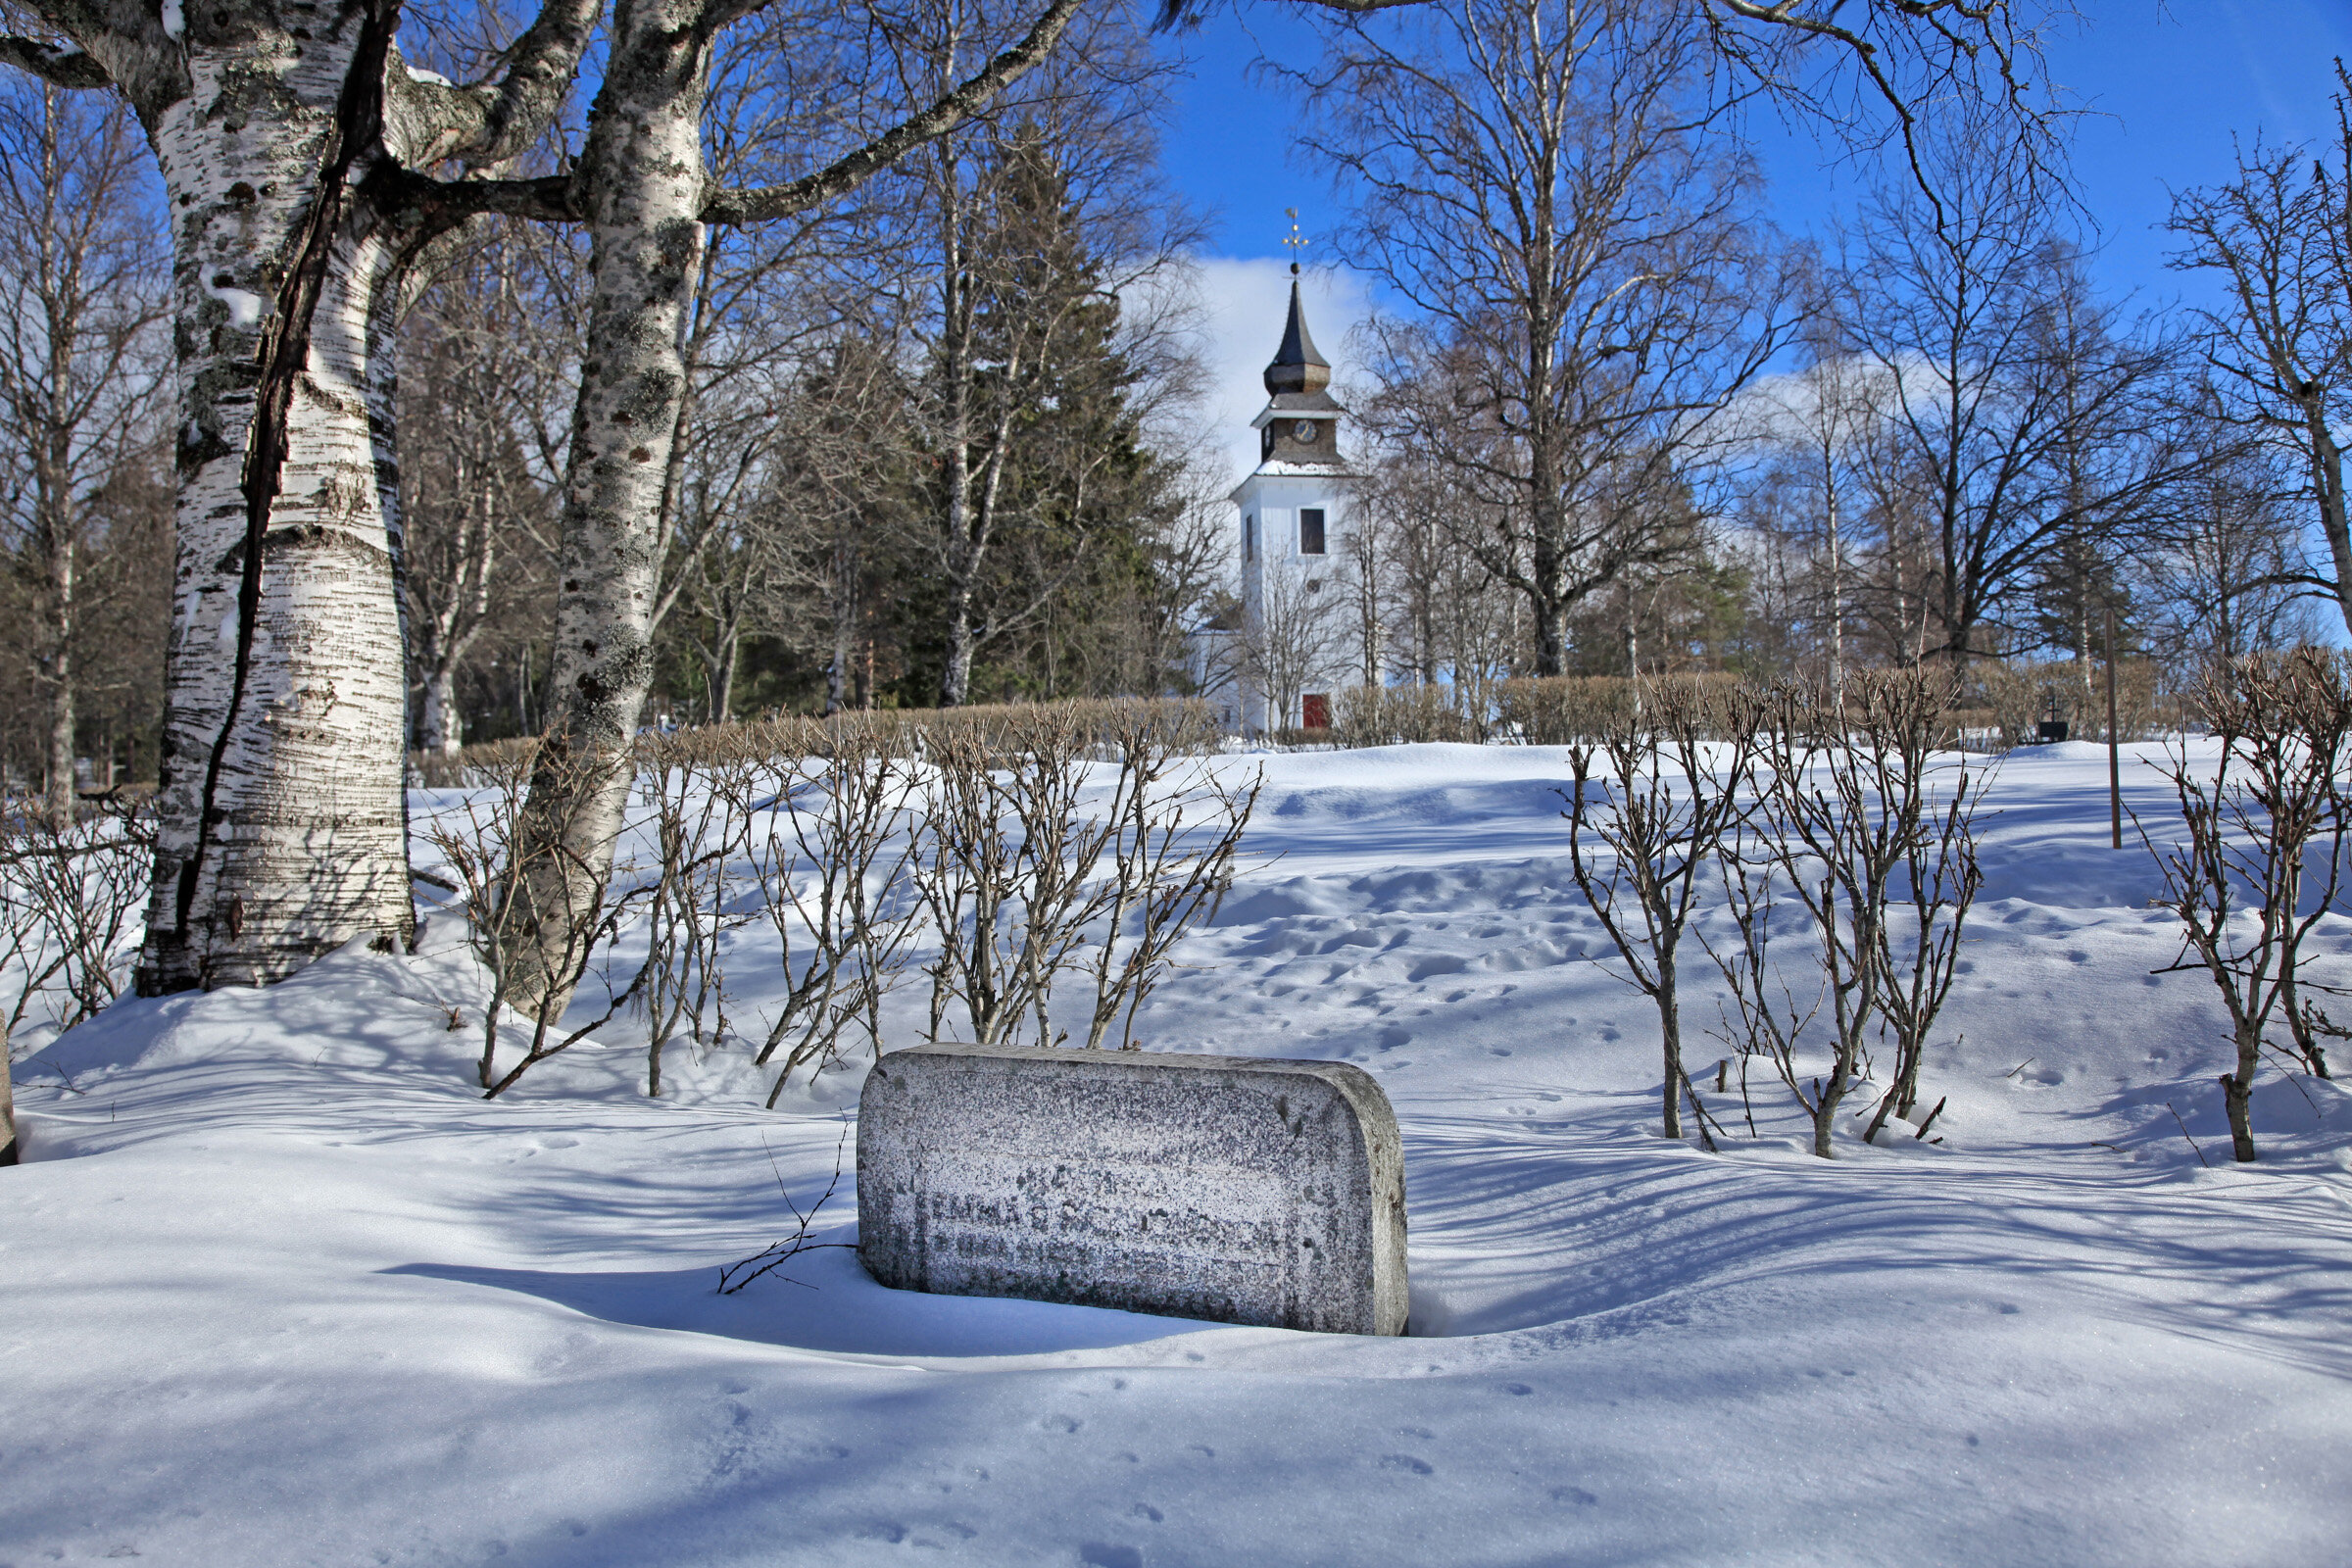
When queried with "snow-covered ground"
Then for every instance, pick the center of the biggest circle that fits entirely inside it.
(277, 1288)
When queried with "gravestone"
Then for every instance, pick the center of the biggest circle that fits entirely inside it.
(1235, 1189)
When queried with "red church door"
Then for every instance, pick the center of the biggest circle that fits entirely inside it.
(1314, 711)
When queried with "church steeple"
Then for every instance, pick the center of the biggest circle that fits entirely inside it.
(1300, 422)
(1296, 367)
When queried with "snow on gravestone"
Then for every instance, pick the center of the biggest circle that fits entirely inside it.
(1235, 1189)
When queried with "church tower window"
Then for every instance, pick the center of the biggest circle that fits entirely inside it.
(1311, 531)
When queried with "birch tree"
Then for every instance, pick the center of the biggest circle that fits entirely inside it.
(641, 190)
(1821, 419)
(478, 511)
(287, 134)
(2225, 563)
(1045, 232)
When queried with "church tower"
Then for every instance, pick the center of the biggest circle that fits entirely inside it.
(1294, 507)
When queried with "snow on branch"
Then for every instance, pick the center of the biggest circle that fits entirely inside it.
(61, 65)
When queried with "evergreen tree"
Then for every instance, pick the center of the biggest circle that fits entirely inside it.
(1047, 549)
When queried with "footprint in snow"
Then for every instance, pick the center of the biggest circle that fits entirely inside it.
(1405, 1461)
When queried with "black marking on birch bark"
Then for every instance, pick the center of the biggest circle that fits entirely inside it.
(286, 350)
(306, 536)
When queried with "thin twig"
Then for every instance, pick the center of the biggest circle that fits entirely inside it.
(733, 1277)
(2192, 1142)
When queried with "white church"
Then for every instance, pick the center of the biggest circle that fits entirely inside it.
(1282, 666)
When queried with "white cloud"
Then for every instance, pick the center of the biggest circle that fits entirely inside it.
(1244, 300)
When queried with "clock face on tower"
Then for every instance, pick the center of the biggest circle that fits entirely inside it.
(1302, 431)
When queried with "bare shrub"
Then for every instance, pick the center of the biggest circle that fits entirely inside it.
(1020, 873)
(70, 897)
(2241, 879)
(1766, 1017)
(1183, 724)
(1176, 833)
(1652, 806)
(1003, 872)
(833, 816)
(69, 900)
(1584, 709)
(1932, 806)
(1564, 709)
(2016, 696)
(1188, 724)
(691, 785)
(478, 838)
(472, 767)
(1403, 715)
(846, 835)
(1853, 813)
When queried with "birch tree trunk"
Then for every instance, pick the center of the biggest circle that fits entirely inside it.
(639, 192)
(437, 728)
(63, 803)
(642, 190)
(447, 610)
(968, 514)
(281, 825)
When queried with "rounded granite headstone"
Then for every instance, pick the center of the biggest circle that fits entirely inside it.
(1235, 1189)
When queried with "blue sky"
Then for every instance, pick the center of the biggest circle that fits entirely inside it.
(2170, 83)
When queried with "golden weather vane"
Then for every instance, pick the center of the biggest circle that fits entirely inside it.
(1296, 242)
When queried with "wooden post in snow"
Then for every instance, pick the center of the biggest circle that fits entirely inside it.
(2115, 763)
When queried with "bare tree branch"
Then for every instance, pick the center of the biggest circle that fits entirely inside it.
(60, 68)
(492, 121)
(847, 172)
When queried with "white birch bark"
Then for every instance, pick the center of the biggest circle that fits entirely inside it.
(437, 728)
(281, 825)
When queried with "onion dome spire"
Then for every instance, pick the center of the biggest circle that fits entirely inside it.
(1296, 367)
